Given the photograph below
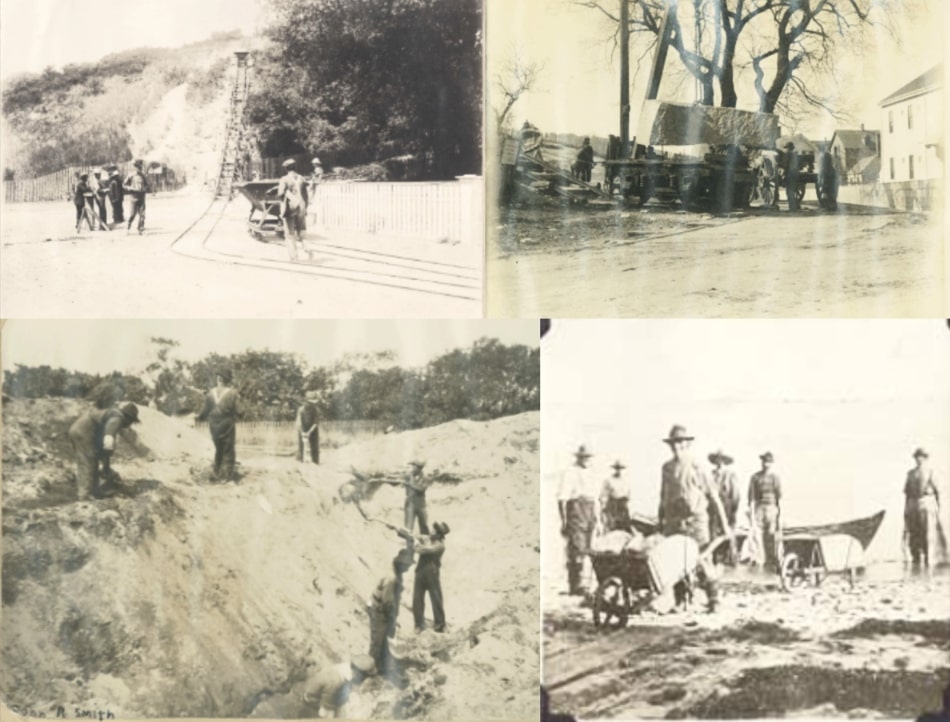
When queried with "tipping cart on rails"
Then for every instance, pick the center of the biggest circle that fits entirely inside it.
(264, 223)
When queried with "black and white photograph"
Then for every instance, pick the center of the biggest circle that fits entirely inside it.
(242, 159)
(745, 519)
(270, 519)
(716, 158)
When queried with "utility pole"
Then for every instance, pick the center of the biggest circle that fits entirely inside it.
(624, 78)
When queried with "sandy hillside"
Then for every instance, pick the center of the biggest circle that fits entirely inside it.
(182, 598)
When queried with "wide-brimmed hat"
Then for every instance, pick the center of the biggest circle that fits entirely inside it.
(289, 162)
(678, 433)
(767, 456)
(617, 466)
(224, 373)
(130, 411)
(138, 163)
(312, 396)
(441, 528)
(418, 463)
(720, 455)
(582, 452)
(921, 452)
(364, 663)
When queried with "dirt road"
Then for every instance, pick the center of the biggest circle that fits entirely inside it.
(214, 270)
(878, 651)
(660, 262)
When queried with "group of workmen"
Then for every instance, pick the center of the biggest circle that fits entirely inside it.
(95, 194)
(703, 505)
(94, 435)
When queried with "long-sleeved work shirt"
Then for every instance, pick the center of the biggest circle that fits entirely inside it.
(765, 489)
(221, 409)
(684, 493)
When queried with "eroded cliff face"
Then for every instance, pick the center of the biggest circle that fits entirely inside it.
(182, 598)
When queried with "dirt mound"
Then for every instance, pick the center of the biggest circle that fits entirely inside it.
(182, 599)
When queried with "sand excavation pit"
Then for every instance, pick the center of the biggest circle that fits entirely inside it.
(177, 598)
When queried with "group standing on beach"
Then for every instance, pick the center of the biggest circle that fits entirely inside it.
(94, 194)
(704, 506)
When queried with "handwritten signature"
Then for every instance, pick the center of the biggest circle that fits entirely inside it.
(62, 712)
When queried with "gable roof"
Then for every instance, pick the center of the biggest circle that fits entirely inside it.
(854, 138)
(925, 83)
(869, 165)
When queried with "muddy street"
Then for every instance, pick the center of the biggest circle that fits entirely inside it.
(658, 261)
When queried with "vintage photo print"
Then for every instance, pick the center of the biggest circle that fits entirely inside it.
(716, 158)
(277, 520)
(274, 158)
(745, 519)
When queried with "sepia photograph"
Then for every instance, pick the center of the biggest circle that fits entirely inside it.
(270, 519)
(745, 519)
(326, 154)
(716, 158)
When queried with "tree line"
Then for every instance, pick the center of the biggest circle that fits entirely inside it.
(485, 381)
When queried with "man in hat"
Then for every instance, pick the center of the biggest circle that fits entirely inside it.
(93, 438)
(792, 176)
(430, 548)
(306, 425)
(137, 187)
(384, 611)
(584, 162)
(614, 500)
(85, 202)
(292, 192)
(116, 195)
(221, 409)
(578, 502)
(415, 506)
(316, 176)
(98, 187)
(726, 485)
(922, 512)
(686, 497)
(327, 692)
(765, 511)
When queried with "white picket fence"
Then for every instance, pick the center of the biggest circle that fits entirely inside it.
(449, 211)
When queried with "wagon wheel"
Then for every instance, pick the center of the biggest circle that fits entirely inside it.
(791, 573)
(611, 604)
(767, 185)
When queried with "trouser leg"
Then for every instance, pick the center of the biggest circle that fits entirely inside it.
(117, 214)
(141, 215)
(229, 459)
(423, 515)
(378, 642)
(87, 468)
(299, 447)
(315, 446)
(410, 514)
(419, 599)
(435, 596)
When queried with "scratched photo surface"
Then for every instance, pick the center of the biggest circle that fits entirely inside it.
(378, 104)
(834, 601)
(647, 173)
(277, 520)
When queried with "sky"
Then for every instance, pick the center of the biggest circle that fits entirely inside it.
(841, 404)
(36, 34)
(104, 346)
(578, 90)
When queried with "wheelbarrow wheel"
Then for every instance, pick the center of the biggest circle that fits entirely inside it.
(611, 606)
(792, 575)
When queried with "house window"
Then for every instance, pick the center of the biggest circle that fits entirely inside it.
(910, 167)
(910, 117)
(890, 121)
(892, 169)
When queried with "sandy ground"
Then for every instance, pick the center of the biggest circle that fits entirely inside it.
(179, 597)
(212, 269)
(548, 260)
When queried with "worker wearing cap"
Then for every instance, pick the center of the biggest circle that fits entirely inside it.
(306, 426)
(430, 548)
(685, 499)
(316, 177)
(384, 611)
(725, 484)
(137, 187)
(116, 196)
(578, 502)
(416, 484)
(221, 409)
(765, 511)
(293, 195)
(921, 512)
(584, 162)
(93, 438)
(615, 500)
(792, 176)
(326, 693)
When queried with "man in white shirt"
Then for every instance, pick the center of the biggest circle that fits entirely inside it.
(579, 507)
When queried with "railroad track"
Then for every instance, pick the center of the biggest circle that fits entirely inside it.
(329, 260)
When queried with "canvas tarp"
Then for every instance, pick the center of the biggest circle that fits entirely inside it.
(663, 124)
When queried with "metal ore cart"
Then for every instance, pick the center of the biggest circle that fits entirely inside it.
(264, 222)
